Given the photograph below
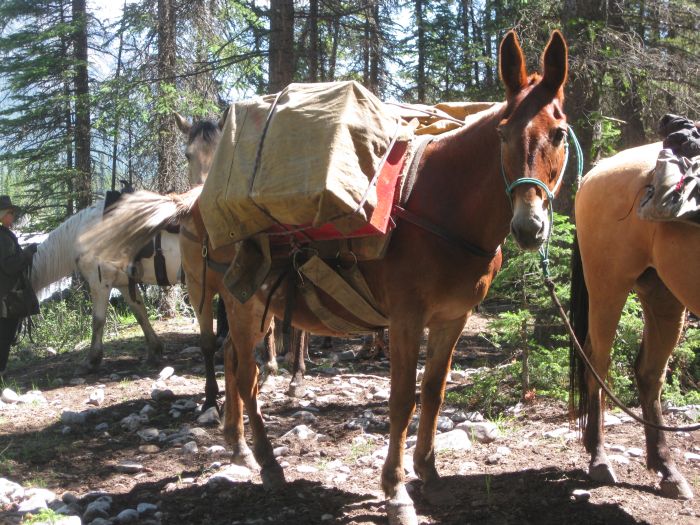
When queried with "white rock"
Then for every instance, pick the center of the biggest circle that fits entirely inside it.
(618, 448)
(301, 432)
(618, 458)
(580, 495)
(166, 373)
(304, 416)
(692, 456)
(9, 396)
(133, 421)
(454, 440)
(128, 516)
(162, 395)
(561, 432)
(306, 469)
(11, 490)
(128, 467)
(32, 504)
(280, 451)
(610, 420)
(77, 381)
(48, 495)
(503, 451)
(147, 409)
(96, 397)
(102, 427)
(635, 452)
(97, 509)
(209, 417)
(148, 434)
(216, 450)
(146, 508)
(190, 448)
(73, 418)
(232, 473)
(33, 396)
(481, 431)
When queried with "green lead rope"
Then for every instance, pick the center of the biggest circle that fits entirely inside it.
(544, 249)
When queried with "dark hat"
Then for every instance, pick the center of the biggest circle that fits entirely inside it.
(6, 204)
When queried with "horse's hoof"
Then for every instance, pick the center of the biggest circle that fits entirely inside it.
(602, 473)
(272, 478)
(676, 489)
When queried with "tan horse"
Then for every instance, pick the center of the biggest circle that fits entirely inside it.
(429, 277)
(619, 253)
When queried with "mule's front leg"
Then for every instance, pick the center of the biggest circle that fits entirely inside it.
(233, 411)
(441, 343)
(404, 338)
(244, 336)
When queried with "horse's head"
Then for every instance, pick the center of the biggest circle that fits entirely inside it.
(533, 135)
(202, 139)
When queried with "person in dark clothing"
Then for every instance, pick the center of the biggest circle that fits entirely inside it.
(14, 261)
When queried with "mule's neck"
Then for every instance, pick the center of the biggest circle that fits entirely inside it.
(460, 186)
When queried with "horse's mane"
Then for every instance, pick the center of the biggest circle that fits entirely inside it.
(56, 255)
(208, 129)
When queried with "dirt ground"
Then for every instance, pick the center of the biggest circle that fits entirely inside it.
(333, 478)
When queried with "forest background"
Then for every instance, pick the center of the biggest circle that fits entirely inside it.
(86, 102)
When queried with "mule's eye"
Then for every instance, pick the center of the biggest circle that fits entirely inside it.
(558, 136)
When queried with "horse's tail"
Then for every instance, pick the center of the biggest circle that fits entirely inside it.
(133, 221)
(578, 393)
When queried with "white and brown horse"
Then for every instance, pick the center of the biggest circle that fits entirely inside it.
(62, 253)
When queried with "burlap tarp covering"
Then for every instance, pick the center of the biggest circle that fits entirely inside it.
(322, 147)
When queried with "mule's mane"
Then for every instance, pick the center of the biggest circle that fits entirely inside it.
(57, 255)
(208, 129)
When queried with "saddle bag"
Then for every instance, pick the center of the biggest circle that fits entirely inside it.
(21, 301)
(674, 194)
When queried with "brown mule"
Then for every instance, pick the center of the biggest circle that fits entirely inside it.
(620, 252)
(424, 279)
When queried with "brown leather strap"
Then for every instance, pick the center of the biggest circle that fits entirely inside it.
(159, 263)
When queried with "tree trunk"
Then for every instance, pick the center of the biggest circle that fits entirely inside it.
(167, 179)
(82, 106)
(313, 41)
(420, 73)
(281, 50)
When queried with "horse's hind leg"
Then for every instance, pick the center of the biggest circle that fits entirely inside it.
(605, 308)
(663, 324)
(300, 342)
(441, 343)
(154, 344)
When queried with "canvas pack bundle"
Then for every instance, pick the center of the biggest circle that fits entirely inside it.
(304, 157)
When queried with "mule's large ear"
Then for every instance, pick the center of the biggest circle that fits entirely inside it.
(224, 115)
(511, 65)
(182, 123)
(555, 62)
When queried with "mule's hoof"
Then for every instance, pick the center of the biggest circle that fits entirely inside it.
(296, 390)
(401, 512)
(676, 489)
(602, 473)
(246, 459)
(272, 478)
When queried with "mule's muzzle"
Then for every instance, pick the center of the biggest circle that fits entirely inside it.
(530, 234)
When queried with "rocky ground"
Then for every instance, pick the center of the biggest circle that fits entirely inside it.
(129, 445)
